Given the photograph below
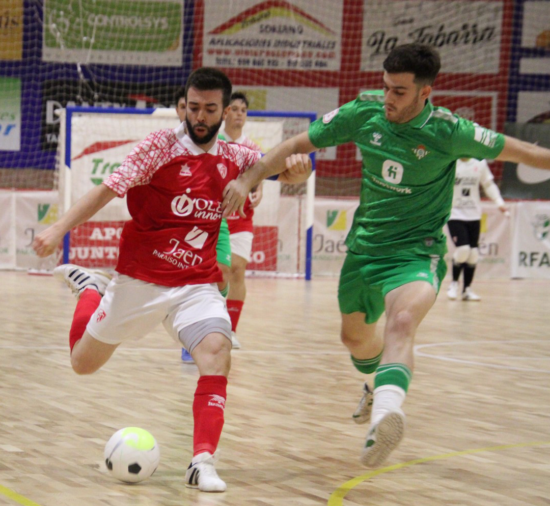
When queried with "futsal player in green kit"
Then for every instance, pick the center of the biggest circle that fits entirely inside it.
(396, 245)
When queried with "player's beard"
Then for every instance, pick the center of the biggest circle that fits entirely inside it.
(408, 112)
(212, 131)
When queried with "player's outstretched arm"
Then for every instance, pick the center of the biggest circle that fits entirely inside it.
(518, 151)
(271, 164)
(46, 242)
(298, 169)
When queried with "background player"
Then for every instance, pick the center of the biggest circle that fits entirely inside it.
(396, 245)
(241, 229)
(465, 221)
(167, 270)
(223, 246)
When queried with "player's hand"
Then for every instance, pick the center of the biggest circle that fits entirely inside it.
(504, 210)
(47, 242)
(298, 169)
(256, 196)
(234, 197)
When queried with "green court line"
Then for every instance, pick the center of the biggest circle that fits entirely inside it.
(18, 498)
(337, 497)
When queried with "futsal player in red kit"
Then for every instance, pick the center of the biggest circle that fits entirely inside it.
(167, 270)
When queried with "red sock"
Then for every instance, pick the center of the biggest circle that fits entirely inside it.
(234, 308)
(85, 307)
(208, 410)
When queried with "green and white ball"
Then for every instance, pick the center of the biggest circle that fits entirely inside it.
(132, 454)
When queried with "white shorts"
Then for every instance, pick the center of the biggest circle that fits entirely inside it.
(241, 244)
(131, 308)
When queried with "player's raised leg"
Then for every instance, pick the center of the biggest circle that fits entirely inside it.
(88, 286)
(406, 306)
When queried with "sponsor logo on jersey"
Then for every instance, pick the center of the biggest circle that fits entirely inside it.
(222, 169)
(185, 170)
(420, 151)
(392, 171)
(376, 139)
(100, 315)
(484, 136)
(327, 118)
(183, 205)
(196, 237)
(337, 220)
(217, 401)
(179, 257)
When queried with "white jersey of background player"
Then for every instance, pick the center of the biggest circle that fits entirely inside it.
(465, 221)
(470, 174)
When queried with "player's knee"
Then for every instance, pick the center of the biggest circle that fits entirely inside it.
(82, 367)
(473, 257)
(402, 324)
(461, 254)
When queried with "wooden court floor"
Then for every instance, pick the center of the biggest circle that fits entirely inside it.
(478, 409)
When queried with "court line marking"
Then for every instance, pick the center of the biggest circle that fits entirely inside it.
(337, 497)
(10, 494)
(444, 358)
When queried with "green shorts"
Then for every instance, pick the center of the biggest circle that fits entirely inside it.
(223, 248)
(365, 280)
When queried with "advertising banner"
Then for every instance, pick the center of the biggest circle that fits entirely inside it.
(332, 221)
(264, 249)
(520, 181)
(35, 211)
(466, 34)
(10, 114)
(11, 30)
(95, 244)
(7, 230)
(147, 32)
(273, 34)
(531, 246)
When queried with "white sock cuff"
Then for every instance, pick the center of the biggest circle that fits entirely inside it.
(392, 388)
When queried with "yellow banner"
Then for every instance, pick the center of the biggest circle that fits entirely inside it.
(11, 30)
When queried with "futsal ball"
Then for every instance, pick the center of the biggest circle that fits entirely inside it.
(132, 455)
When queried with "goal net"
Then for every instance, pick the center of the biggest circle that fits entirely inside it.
(93, 142)
(286, 55)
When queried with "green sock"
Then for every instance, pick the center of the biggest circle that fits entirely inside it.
(225, 291)
(368, 365)
(393, 374)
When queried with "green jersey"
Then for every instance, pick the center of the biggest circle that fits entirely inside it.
(408, 172)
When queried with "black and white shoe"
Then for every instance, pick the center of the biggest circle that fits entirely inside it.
(78, 279)
(202, 474)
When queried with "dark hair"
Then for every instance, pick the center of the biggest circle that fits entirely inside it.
(421, 60)
(239, 95)
(208, 78)
(180, 93)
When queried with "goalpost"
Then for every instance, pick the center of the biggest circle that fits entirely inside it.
(93, 142)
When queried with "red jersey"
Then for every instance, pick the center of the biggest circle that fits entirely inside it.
(175, 191)
(235, 222)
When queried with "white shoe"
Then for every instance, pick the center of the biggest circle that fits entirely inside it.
(452, 291)
(383, 438)
(469, 295)
(78, 279)
(235, 344)
(363, 411)
(202, 474)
